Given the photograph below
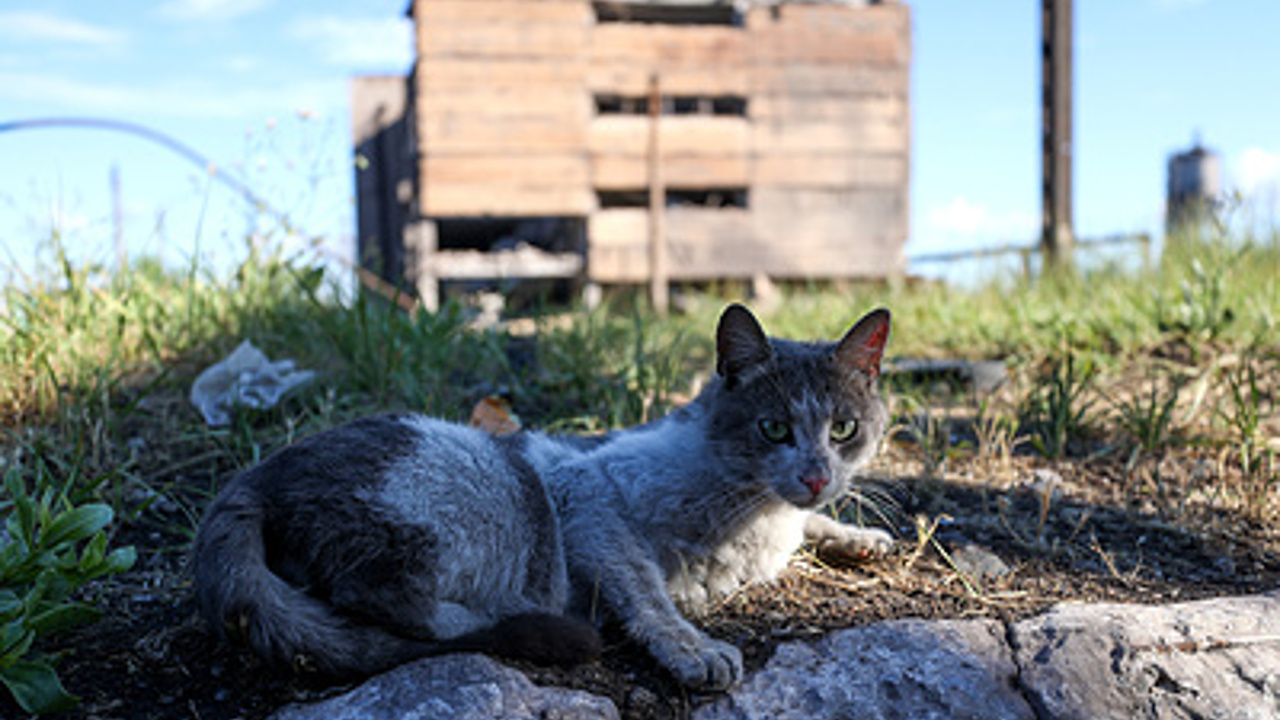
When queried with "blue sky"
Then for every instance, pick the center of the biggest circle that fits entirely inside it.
(261, 87)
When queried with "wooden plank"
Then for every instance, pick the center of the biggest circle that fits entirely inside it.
(727, 243)
(810, 46)
(627, 172)
(830, 33)
(480, 170)
(699, 135)
(803, 215)
(618, 227)
(743, 260)
(566, 12)
(618, 242)
(849, 108)
(691, 60)
(524, 262)
(824, 79)
(627, 78)
(788, 201)
(443, 134)
(657, 46)
(500, 200)
(829, 17)
(506, 40)
(508, 102)
(446, 74)
(627, 227)
(870, 137)
(828, 170)
(831, 49)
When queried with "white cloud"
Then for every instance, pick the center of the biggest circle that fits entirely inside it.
(1256, 169)
(39, 27)
(966, 219)
(358, 41)
(210, 10)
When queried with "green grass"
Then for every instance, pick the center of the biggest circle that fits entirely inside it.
(95, 367)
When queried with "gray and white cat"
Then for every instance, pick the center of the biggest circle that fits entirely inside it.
(400, 536)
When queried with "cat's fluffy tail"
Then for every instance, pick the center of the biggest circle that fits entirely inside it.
(244, 601)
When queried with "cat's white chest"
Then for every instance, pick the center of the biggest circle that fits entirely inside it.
(756, 552)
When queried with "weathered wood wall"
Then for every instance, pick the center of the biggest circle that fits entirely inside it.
(506, 125)
(384, 174)
(503, 117)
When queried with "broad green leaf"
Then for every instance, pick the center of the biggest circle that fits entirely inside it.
(76, 524)
(11, 561)
(63, 617)
(36, 687)
(26, 512)
(9, 602)
(120, 559)
(94, 552)
(67, 562)
(13, 526)
(15, 641)
(44, 516)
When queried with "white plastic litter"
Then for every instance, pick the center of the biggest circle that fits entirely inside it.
(245, 378)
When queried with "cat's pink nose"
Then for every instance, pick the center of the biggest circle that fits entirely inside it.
(815, 483)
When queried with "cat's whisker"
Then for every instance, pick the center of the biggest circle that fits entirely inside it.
(745, 510)
(879, 496)
(875, 505)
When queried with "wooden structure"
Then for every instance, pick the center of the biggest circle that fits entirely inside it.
(1194, 185)
(527, 142)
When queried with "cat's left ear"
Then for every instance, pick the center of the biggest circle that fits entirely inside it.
(741, 344)
(863, 346)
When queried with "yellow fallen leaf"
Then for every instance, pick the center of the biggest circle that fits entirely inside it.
(494, 415)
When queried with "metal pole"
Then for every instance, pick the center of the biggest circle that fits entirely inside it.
(1056, 237)
(117, 219)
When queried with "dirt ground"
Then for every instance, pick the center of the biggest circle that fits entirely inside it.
(995, 539)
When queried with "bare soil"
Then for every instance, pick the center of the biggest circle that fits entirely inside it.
(1080, 530)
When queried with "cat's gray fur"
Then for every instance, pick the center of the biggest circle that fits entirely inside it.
(399, 536)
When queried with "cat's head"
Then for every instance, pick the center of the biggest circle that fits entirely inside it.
(796, 417)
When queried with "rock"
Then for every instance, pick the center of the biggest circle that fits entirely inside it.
(898, 669)
(460, 687)
(1208, 659)
(981, 376)
(979, 563)
(1215, 658)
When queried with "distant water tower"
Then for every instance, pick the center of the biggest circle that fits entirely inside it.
(1195, 183)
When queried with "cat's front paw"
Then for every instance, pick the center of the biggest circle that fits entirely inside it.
(712, 666)
(855, 543)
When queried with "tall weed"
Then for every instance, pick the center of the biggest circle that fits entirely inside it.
(1059, 403)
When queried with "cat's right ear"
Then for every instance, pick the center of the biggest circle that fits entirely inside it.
(863, 346)
(740, 343)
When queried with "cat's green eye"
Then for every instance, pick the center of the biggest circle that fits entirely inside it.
(843, 430)
(775, 431)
